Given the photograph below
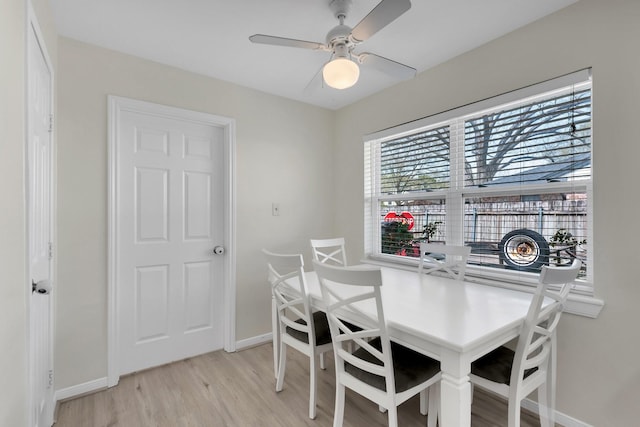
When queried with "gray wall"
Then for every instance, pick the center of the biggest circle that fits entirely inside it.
(598, 373)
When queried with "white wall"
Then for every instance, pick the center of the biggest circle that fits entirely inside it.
(13, 324)
(598, 373)
(284, 154)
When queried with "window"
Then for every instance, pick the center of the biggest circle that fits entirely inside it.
(509, 176)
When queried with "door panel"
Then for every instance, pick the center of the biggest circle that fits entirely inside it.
(170, 198)
(152, 204)
(198, 296)
(40, 179)
(152, 303)
(197, 207)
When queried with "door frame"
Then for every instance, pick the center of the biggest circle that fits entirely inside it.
(34, 37)
(117, 105)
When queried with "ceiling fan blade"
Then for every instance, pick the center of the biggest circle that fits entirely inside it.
(388, 66)
(382, 15)
(282, 41)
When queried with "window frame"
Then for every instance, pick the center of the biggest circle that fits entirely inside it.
(456, 193)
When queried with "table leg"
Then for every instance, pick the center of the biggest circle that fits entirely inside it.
(275, 336)
(455, 391)
(551, 382)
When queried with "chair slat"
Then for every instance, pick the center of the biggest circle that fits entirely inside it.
(453, 265)
(330, 251)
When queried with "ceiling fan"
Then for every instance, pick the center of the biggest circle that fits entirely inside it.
(342, 71)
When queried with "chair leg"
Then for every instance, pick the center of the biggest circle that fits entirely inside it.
(424, 401)
(546, 399)
(543, 406)
(549, 388)
(312, 386)
(514, 412)
(275, 327)
(338, 415)
(281, 366)
(393, 416)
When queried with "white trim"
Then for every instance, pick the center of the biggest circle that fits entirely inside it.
(112, 233)
(254, 341)
(583, 305)
(80, 389)
(230, 227)
(562, 419)
(115, 106)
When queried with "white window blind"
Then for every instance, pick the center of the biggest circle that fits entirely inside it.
(510, 176)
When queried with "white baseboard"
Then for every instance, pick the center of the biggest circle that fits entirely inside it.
(562, 419)
(80, 389)
(101, 383)
(253, 341)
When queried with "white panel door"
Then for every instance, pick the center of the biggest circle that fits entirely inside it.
(171, 215)
(40, 179)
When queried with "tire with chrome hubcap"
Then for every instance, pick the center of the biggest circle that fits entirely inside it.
(524, 250)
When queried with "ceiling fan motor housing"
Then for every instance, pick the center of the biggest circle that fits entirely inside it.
(338, 35)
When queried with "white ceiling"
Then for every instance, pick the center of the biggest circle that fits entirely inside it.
(211, 37)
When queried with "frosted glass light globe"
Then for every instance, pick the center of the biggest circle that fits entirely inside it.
(341, 73)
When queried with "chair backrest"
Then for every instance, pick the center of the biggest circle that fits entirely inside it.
(289, 289)
(538, 331)
(449, 259)
(354, 295)
(329, 251)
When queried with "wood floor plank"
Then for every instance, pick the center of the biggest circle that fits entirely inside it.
(238, 390)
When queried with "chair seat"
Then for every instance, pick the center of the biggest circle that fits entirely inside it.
(496, 366)
(323, 335)
(410, 368)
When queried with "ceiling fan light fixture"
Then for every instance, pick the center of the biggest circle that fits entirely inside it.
(341, 73)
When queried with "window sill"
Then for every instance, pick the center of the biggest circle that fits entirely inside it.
(579, 303)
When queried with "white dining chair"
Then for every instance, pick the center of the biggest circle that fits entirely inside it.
(516, 374)
(380, 370)
(330, 251)
(449, 259)
(298, 327)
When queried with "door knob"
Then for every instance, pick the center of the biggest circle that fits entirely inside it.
(41, 287)
(218, 250)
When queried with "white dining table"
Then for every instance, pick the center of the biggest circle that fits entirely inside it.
(452, 321)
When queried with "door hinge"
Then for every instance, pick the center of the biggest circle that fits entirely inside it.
(50, 122)
(50, 378)
(50, 249)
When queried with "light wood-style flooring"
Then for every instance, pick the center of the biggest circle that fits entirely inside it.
(238, 390)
